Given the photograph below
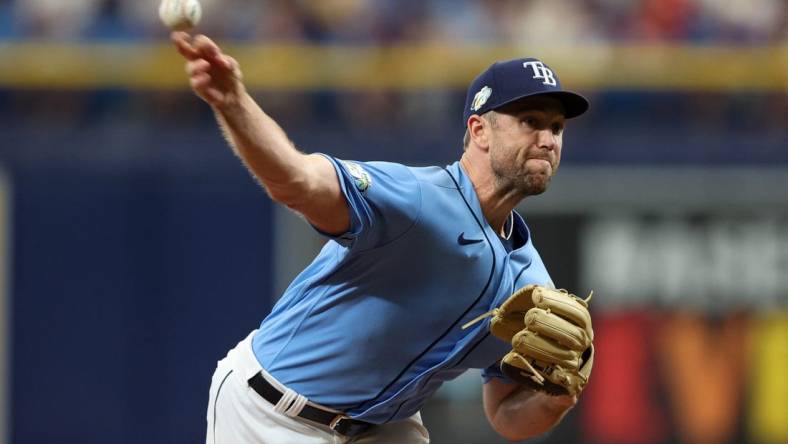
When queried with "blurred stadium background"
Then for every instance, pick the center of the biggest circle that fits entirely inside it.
(136, 250)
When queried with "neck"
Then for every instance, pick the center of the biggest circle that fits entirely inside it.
(497, 201)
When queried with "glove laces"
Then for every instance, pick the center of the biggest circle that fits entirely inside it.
(495, 311)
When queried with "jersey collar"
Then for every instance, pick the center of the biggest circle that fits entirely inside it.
(467, 190)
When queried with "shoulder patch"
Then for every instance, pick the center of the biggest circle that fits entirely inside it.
(361, 178)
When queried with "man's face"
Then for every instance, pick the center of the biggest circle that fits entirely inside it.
(525, 143)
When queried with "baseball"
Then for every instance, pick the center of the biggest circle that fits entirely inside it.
(180, 15)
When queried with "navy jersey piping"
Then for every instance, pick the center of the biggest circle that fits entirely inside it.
(470, 350)
(401, 404)
(335, 162)
(514, 282)
(456, 321)
(478, 342)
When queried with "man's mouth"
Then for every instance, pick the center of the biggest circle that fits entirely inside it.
(542, 159)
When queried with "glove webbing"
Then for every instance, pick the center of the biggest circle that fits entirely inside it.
(495, 311)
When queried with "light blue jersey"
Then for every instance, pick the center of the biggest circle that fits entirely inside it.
(372, 326)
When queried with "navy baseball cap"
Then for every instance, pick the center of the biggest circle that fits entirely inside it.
(512, 80)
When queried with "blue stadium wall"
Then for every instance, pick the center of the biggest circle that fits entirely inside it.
(142, 250)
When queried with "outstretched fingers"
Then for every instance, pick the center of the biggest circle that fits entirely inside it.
(202, 47)
(233, 66)
(182, 42)
(200, 81)
(213, 75)
(195, 67)
(210, 51)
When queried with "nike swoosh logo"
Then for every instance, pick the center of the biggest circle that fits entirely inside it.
(462, 240)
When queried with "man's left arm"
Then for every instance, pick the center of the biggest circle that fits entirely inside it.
(517, 412)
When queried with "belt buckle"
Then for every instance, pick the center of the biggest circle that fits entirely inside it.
(335, 422)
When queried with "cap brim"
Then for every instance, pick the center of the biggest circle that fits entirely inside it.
(574, 104)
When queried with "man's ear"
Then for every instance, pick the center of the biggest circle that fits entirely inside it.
(479, 131)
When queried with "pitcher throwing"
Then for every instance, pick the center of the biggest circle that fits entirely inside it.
(374, 325)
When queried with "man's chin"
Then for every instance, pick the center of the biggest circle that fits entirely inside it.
(535, 185)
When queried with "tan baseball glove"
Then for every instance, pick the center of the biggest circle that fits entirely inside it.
(551, 336)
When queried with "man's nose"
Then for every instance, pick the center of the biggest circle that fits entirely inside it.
(546, 139)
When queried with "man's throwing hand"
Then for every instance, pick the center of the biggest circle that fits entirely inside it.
(213, 75)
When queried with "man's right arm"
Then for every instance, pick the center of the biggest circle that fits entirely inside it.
(305, 183)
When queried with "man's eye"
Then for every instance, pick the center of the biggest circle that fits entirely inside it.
(530, 121)
(558, 128)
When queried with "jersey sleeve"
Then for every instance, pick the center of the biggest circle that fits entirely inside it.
(384, 200)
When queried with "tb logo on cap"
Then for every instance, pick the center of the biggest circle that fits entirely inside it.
(541, 72)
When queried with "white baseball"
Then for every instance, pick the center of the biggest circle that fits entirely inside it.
(180, 15)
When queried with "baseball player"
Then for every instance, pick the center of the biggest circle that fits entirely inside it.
(415, 284)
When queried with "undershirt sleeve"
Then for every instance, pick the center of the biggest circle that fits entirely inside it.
(494, 371)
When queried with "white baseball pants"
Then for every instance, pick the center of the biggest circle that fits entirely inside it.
(239, 415)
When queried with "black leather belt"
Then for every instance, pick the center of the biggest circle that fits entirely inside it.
(336, 422)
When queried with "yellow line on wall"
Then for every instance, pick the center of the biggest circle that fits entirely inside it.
(44, 65)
